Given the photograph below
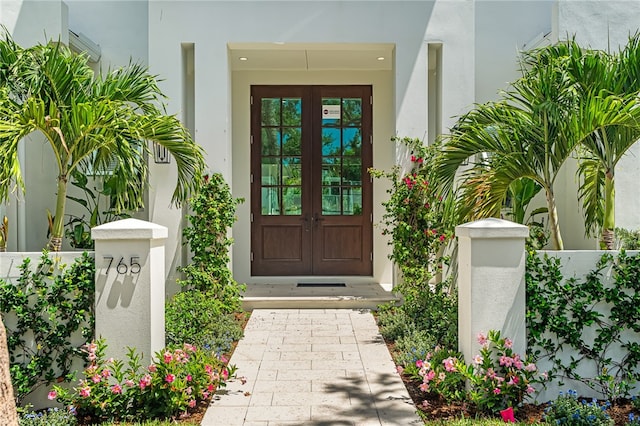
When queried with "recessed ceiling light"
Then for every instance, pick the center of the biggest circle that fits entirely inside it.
(381, 58)
(243, 58)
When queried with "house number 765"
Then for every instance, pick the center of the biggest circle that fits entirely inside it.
(123, 267)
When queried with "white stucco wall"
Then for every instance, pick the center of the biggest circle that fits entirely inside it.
(400, 108)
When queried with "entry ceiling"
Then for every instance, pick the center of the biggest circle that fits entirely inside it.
(310, 57)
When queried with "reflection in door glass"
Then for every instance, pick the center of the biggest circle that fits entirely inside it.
(270, 201)
(291, 200)
(351, 112)
(342, 156)
(331, 200)
(281, 151)
(270, 171)
(270, 111)
(352, 201)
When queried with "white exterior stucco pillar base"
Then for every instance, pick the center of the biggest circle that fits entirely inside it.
(491, 283)
(130, 286)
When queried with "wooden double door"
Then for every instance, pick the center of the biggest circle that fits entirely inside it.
(311, 194)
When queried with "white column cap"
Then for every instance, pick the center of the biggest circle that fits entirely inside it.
(129, 229)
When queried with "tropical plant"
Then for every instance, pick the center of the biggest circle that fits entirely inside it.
(48, 313)
(101, 123)
(213, 213)
(113, 389)
(78, 228)
(597, 74)
(4, 233)
(530, 133)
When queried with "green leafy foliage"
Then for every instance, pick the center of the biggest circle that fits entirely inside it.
(627, 239)
(497, 377)
(78, 228)
(567, 409)
(175, 382)
(44, 311)
(51, 417)
(197, 318)
(213, 215)
(420, 225)
(588, 318)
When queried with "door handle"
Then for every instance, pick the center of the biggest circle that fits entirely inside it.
(316, 219)
(305, 219)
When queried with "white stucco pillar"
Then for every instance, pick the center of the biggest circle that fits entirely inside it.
(491, 284)
(130, 286)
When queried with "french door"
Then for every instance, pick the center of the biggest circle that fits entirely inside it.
(311, 200)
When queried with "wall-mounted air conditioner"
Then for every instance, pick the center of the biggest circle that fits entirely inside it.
(82, 44)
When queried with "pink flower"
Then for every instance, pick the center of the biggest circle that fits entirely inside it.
(506, 361)
(413, 158)
(192, 403)
(442, 376)
(424, 387)
(52, 395)
(96, 379)
(189, 348)
(491, 374)
(449, 364)
(205, 394)
(531, 368)
(145, 381)
(170, 378)
(168, 357)
(508, 343)
(129, 383)
(419, 363)
(153, 368)
(497, 391)
(399, 369)
(189, 378)
(85, 392)
(518, 364)
(208, 369)
(430, 376)
(225, 374)
(106, 373)
(530, 389)
(189, 390)
(92, 357)
(482, 339)
(507, 415)
(210, 388)
(116, 389)
(545, 375)
(442, 238)
(513, 381)
(477, 360)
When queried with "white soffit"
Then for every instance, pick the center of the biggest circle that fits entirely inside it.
(310, 57)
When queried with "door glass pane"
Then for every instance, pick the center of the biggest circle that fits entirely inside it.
(291, 141)
(270, 141)
(270, 171)
(352, 137)
(331, 174)
(352, 201)
(331, 111)
(292, 200)
(270, 111)
(270, 201)
(331, 200)
(351, 112)
(291, 112)
(352, 171)
(291, 171)
(330, 141)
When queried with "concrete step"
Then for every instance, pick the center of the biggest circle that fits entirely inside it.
(316, 296)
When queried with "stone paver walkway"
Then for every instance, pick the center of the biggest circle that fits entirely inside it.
(312, 367)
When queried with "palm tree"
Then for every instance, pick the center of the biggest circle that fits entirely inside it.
(525, 135)
(100, 123)
(601, 72)
(530, 133)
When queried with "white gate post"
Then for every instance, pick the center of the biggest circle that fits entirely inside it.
(491, 284)
(130, 286)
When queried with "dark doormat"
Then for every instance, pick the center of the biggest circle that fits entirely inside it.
(321, 285)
